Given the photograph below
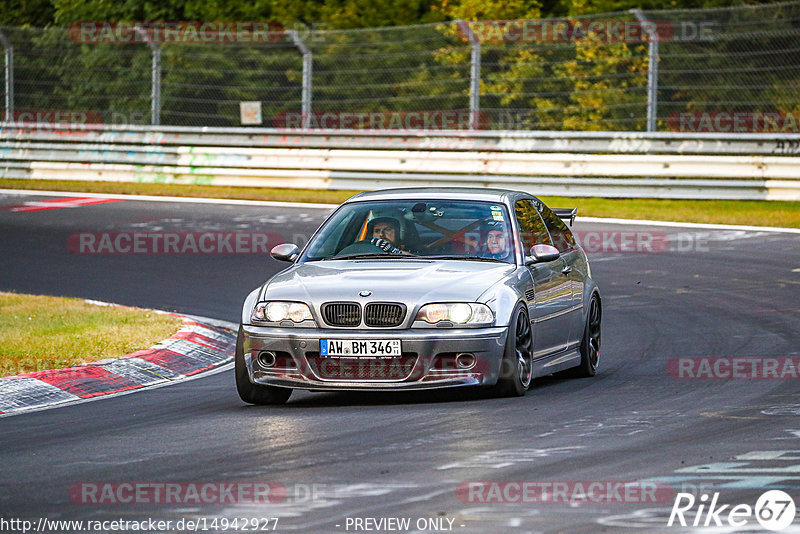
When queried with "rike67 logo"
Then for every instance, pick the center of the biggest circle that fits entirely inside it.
(774, 510)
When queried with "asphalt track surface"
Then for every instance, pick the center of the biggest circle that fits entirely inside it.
(342, 456)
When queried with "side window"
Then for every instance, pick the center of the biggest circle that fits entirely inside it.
(531, 228)
(563, 239)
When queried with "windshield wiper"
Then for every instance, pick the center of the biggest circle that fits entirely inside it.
(465, 258)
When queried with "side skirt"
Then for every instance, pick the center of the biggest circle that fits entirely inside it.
(560, 362)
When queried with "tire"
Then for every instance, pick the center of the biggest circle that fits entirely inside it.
(590, 343)
(516, 368)
(254, 393)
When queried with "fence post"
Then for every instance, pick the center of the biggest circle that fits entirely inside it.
(474, 74)
(474, 84)
(307, 66)
(652, 69)
(155, 91)
(9, 77)
(474, 80)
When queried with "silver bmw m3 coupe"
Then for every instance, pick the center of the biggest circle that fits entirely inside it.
(423, 288)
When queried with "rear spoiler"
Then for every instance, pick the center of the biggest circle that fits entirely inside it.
(566, 214)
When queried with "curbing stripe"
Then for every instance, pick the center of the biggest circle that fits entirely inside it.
(140, 371)
(19, 393)
(199, 345)
(85, 381)
(205, 341)
(184, 357)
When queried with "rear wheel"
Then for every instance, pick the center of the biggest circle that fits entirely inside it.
(254, 393)
(590, 344)
(516, 369)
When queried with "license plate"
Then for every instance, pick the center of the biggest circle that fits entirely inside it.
(354, 348)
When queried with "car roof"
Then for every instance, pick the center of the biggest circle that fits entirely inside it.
(437, 193)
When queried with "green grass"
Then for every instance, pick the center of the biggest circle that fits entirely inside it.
(748, 212)
(39, 333)
(180, 190)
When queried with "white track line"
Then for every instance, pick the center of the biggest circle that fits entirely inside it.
(645, 222)
(191, 200)
(266, 203)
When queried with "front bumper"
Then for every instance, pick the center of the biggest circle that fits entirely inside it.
(428, 359)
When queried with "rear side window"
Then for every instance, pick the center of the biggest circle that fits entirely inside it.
(562, 237)
(532, 230)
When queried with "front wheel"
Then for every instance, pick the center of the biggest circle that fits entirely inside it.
(254, 393)
(516, 369)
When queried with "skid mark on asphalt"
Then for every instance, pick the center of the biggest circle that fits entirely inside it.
(499, 459)
(259, 219)
(620, 425)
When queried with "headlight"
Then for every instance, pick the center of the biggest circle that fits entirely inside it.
(456, 312)
(277, 311)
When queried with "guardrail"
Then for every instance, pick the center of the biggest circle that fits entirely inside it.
(614, 164)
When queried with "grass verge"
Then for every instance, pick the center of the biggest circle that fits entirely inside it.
(747, 212)
(39, 333)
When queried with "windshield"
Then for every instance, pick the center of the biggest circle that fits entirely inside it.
(448, 229)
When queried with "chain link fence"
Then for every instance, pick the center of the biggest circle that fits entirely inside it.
(694, 70)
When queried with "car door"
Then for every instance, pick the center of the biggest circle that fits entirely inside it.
(574, 267)
(552, 293)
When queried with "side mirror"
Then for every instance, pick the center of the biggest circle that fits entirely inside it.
(542, 254)
(285, 252)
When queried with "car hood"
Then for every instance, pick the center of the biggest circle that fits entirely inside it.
(407, 281)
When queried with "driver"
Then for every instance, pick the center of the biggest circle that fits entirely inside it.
(385, 233)
(498, 245)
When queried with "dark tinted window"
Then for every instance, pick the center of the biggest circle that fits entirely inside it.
(562, 236)
(531, 228)
(420, 228)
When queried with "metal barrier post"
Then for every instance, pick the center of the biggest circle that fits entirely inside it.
(475, 85)
(155, 92)
(652, 69)
(9, 77)
(474, 78)
(474, 75)
(307, 66)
